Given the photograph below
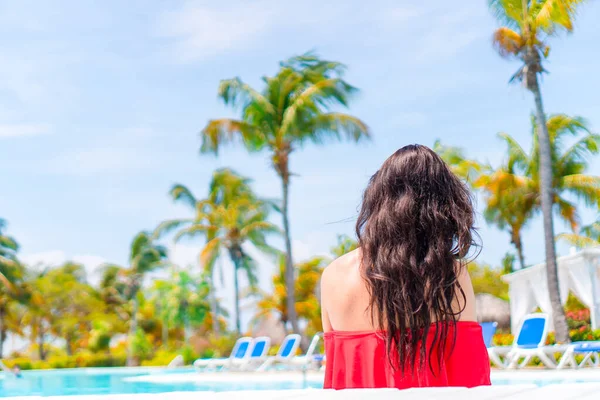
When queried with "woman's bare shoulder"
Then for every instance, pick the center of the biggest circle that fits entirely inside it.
(466, 304)
(341, 268)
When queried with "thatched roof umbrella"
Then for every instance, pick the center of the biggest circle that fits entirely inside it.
(492, 308)
(270, 326)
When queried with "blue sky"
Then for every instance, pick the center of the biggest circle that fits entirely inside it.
(101, 104)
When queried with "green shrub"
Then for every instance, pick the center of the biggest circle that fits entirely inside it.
(189, 356)
(142, 345)
(160, 359)
(23, 363)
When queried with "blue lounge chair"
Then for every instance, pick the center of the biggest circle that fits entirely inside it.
(530, 342)
(287, 350)
(591, 351)
(258, 355)
(241, 351)
(310, 360)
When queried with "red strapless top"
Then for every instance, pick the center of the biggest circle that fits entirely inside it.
(359, 360)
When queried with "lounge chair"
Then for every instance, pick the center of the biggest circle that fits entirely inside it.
(494, 352)
(241, 350)
(258, 355)
(530, 342)
(287, 350)
(591, 351)
(308, 360)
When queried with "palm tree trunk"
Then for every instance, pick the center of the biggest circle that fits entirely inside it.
(69, 345)
(132, 331)
(518, 243)
(165, 333)
(41, 351)
(214, 308)
(558, 314)
(290, 279)
(236, 257)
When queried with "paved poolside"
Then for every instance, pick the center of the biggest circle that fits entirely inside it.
(579, 391)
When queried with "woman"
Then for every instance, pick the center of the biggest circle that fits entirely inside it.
(400, 310)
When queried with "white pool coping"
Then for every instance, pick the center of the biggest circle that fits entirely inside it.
(518, 376)
(580, 391)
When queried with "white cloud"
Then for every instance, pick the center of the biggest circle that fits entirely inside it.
(199, 31)
(131, 150)
(87, 162)
(20, 130)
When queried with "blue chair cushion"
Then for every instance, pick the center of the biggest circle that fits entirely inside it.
(531, 333)
(241, 350)
(258, 349)
(586, 347)
(289, 345)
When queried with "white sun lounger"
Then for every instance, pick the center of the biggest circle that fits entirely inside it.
(287, 350)
(591, 351)
(530, 342)
(241, 350)
(258, 355)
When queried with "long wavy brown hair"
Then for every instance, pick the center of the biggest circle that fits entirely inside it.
(415, 229)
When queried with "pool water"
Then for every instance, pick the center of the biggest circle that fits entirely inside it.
(119, 381)
(94, 381)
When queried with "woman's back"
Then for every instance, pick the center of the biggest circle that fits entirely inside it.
(356, 351)
(400, 310)
(345, 298)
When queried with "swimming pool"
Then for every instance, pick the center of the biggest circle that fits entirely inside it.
(160, 380)
(144, 380)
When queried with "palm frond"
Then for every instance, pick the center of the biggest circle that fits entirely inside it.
(508, 12)
(578, 240)
(194, 231)
(507, 42)
(239, 94)
(581, 149)
(166, 227)
(568, 213)
(309, 101)
(333, 125)
(261, 226)
(140, 241)
(209, 254)
(250, 268)
(556, 13)
(584, 187)
(517, 157)
(311, 65)
(223, 131)
(182, 194)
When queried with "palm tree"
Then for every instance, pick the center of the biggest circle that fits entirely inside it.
(292, 109)
(460, 165)
(11, 278)
(307, 303)
(230, 217)
(529, 24)
(588, 236)
(181, 301)
(509, 202)
(512, 192)
(145, 256)
(345, 244)
(8, 245)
